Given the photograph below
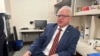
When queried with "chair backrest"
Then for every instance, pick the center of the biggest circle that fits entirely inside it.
(94, 54)
(15, 33)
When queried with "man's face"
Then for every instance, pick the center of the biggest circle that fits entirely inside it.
(63, 17)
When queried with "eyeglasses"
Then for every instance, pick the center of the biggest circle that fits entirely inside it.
(63, 16)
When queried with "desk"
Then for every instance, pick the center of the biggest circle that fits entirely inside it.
(31, 30)
(83, 48)
(30, 34)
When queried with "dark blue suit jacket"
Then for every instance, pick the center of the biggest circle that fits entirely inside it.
(66, 46)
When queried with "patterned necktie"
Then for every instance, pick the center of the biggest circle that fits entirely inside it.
(55, 42)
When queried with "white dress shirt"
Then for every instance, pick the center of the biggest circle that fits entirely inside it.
(47, 49)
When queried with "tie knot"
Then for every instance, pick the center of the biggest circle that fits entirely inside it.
(60, 29)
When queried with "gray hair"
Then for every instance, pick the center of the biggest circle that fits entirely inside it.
(67, 8)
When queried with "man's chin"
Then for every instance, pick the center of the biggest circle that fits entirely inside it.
(60, 25)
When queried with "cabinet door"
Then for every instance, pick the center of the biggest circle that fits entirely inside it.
(61, 3)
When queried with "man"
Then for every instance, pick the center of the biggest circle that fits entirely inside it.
(2, 34)
(67, 40)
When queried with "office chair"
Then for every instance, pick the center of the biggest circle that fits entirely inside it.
(18, 43)
(94, 54)
(15, 33)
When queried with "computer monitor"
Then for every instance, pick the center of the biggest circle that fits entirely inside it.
(40, 24)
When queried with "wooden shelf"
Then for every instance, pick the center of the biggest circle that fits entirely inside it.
(89, 12)
(63, 2)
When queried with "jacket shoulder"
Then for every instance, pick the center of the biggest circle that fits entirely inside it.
(71, 28)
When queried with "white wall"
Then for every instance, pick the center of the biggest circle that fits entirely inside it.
(76, 22)
(22, 11)
(97, 21)
(2, 6)
(7, 7)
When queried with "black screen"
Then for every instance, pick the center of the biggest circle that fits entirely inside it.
(40, 24)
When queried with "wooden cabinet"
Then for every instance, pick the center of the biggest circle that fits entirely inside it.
(80, 7)
(86, 7)
(61, 3)
(86, 13)
(89, 11)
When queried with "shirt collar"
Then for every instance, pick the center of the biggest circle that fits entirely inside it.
(64, 28)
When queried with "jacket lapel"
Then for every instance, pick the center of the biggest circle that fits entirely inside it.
(51, 32)
(65, 36)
